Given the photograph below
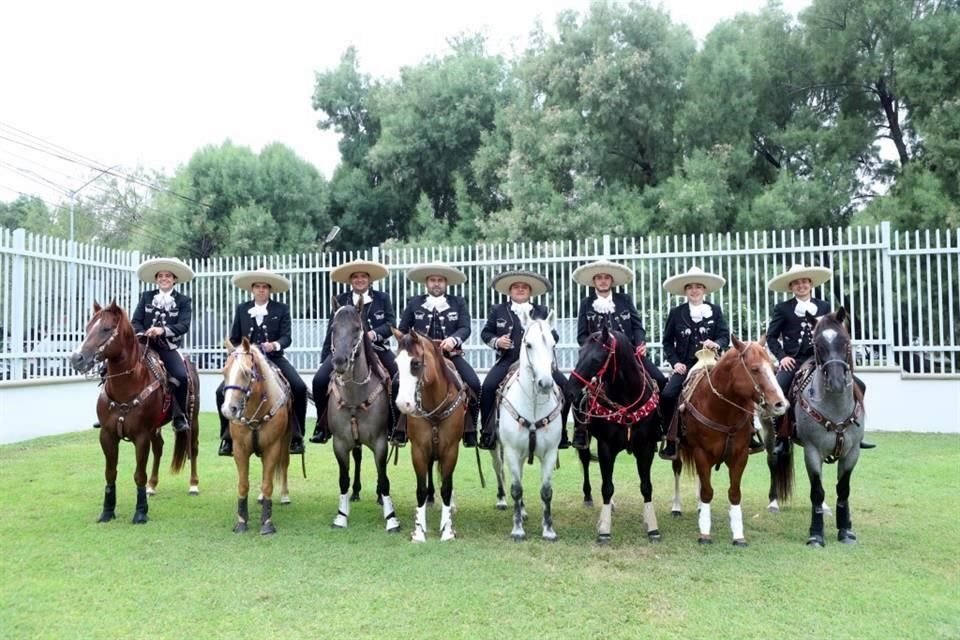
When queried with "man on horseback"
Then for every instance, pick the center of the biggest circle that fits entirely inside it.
(441, 316)
(790, 334)
(163, 317)
(378, 317)
(617, 311)
(503, 333)
(691, 326)
(265, 323)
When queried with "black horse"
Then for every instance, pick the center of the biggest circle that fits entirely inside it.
(616, 399)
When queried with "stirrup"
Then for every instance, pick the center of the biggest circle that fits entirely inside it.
(668, 455)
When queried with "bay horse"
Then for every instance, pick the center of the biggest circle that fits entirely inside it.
(717, 413)
(259, 405)
(529, 410)
(433, 397)
(829, 421)
(133, 404)
(613, 395)
(359, 409)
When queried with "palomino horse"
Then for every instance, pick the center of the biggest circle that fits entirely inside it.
(829, 420)
(717, 416)
(620, 409)
(359, 408)
(259, 405)
(133, 405)
(433, 398)
(529, 412)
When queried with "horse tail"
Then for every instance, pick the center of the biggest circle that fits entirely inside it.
(687, 459)
(781, 474)
(180, 449)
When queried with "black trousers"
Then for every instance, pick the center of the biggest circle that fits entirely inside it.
(493, 379)
(297, 387)
(321, 379)
(670, 395)
(173, 362)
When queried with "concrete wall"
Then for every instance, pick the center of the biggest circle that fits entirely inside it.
(48, 407)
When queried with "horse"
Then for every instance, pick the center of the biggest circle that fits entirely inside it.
(717, 413)
(133, 404)
(359, 409)
(829, 422)
(433, 397)
(619, 407)
(259, 405)
(529, 418)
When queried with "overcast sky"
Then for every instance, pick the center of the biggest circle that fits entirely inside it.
(146, 83)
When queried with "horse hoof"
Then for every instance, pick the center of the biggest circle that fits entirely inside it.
(846, 536)
(151, 491)
(773, 509)
(603, 539)
(740, 543)
(267, 529)
(240, 527)
(518, 537)
(393, 528)
(588, 502)
(139, 518)
(549, 536)
(194, 490)
(676, 514)
(815, 542)
(107, 516)
(355, 497)
(284, 501)
(448, 535)
(655, 535)
(501, 505)
(703, 540)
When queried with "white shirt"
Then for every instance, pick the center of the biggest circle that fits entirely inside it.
(700, 311)
(803, 306)
(258, 312)
(436, 303)
(604, 305)
(364, 297)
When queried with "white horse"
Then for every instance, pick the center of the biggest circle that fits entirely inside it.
(529, 412)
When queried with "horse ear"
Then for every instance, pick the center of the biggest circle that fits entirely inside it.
(245, 344)
(841, 315)
(762, 340)
(549, 318)
(228, 345)
(396, 333)
(738, 345)
(334, 303)
(96, 307)
(604, 332)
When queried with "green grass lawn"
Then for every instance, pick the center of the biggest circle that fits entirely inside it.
(185, 574)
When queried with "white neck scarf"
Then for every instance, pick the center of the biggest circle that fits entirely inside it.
(163, 300)
(436, 303)
(522, 311)
(604, 305)
(700, 311)
(258, 312)
(803, 306)
(364, 297)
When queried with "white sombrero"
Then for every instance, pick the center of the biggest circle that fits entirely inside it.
(246, 279)
(538, 284)
(375, 270)
(585, 274)
(817, 276)
(421, 273)
(695, 275)
(147, 271)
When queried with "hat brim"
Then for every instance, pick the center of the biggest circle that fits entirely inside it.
(375, 270)
(246, 279)
(147, 271)
(537, 283)
(677, 285)
(816, 275)
(621, 275)
(421, 273)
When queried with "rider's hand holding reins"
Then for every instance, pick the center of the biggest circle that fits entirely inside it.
(788, 364)
(448, 344)
(504, 342)
(641, 350)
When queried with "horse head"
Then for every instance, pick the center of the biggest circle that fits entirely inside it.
(411, 355)
(832, 350)
(596, 361)
(108, 334)
(239, 375)
(537, 353)
(754, 376)
(346, 337)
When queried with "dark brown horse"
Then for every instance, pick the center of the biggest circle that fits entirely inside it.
(432, 396)
(259, 405)
(717, 411)
(133, 405)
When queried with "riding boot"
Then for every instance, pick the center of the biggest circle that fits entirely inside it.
(488, 436)
(296, 442)
(581, 438)
(782, 445)
(470, 426)
(321, 433)
(867, 445)
(669, 450)
(399, 434)
(176, 408)
(564, 440)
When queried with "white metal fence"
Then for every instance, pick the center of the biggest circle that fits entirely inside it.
(899, 287)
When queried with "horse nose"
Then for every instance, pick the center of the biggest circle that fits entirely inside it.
(545, 384)
(76, 361)
(340, 363)
(405, 406)
(780, 407)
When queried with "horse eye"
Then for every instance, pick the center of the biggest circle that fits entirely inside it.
(528, 345)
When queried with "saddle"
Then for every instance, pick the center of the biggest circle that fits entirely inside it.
(495, 415)
(706, 360)
(333, 392)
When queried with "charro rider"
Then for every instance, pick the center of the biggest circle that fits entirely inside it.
(439, 315)
(790, 333)
(378, 318)
(503, 333)
(163, 317)
(266, 323)
(614, 309)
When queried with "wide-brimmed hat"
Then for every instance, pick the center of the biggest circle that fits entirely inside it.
(677, 285)
(538, 284)
(147, 271)
(246, 279)
(375, 270)
(585, 274)
(424, 271)
(816, 275)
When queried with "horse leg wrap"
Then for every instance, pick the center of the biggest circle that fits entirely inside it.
(843, 515)
(266, 518)
(736, 521)
(606, 520)
(109, 503)
(343, 512)
(243, 514)
(419, 533)
(650, 518)
(140, 514)
(704, 520)
(389, 515)
(446, 524)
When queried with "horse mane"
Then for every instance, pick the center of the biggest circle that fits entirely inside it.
(270, 379)
(125, 329)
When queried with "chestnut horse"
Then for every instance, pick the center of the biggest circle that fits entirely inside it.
(717, 419)
(433, 398)
(259, 405)
(620, 411)
(133, 404)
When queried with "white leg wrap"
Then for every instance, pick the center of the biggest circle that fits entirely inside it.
(774, 506)
(826, 509)
(389, 516)
(285, 498)
(650, 516)
(151, 491)
(704, 519)
(419, 533)
(194, 490)
(675, 507)
(736, 522)
(343, 514)
(446, 523)
(606, 519)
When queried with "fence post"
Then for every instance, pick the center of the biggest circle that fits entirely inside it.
(887, 301)
(18, 303)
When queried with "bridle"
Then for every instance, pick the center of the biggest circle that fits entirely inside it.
(847, 361)
(351, 358)
(759, 397)
(255, 375)
(443, 410)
